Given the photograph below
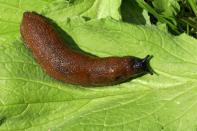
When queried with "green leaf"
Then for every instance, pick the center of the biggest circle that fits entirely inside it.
(193, 5)
(168, 8)
(170, 21)
(31, 100)
(132, 13)
(11, 15)
(89, 8)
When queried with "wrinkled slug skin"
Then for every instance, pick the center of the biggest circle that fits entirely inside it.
(68, 65)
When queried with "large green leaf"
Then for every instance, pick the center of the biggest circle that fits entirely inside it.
(31, 100)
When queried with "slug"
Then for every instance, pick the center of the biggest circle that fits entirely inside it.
(63, 63)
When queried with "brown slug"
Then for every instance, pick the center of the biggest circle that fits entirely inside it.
(66, 64)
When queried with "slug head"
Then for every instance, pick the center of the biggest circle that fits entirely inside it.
(141, 66)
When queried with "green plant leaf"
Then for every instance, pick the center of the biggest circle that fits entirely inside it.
(11, 15)
(193, 5)
(170, 21)
(31, 100)
(132, 13)
(168, 8)
(89, 8)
